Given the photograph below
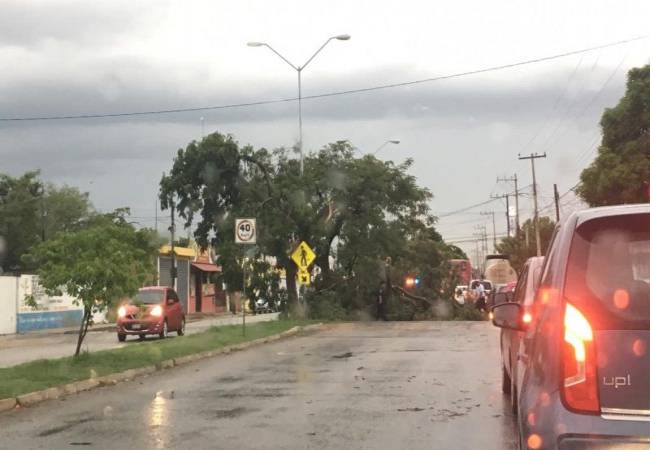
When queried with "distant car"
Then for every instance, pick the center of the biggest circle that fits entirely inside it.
(522, 293)
(487, 285)
(153, 310)
(262, 306)
(584, 356)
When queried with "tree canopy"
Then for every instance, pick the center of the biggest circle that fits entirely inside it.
(98, 264)
(31, 212)
(523, 246)
(621, 171)
(354, 210)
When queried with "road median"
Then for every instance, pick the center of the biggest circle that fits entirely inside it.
(31, 383)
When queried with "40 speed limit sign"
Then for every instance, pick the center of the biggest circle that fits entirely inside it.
(245, 231)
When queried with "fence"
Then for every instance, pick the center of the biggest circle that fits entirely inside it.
(18, 315)
(8, 304)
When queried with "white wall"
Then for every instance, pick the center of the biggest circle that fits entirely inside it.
(8, 300)
(29, 285)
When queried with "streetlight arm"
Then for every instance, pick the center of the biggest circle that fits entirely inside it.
(390, 141)
(316, 53)
(282, 57)
(380, 147)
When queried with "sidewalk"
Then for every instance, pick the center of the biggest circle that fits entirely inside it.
(18, 349)
(194, 317)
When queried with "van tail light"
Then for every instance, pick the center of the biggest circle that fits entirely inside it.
(580, 385)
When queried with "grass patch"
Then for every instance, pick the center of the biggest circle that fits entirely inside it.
(46, 373)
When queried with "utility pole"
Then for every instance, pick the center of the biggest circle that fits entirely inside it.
(156, 217)
(172, 229)
(533, 157)
(494, 228)
(481, 235)
(507, 197)
(515, 181)
(556, 195)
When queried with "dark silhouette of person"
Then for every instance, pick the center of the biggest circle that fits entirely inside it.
(381, 301)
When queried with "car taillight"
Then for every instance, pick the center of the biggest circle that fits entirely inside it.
(579, 362)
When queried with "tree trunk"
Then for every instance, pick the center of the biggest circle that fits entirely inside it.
(83, 329)
(323, 262)
(294, 306)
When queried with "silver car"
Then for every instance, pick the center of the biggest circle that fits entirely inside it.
(584, 359)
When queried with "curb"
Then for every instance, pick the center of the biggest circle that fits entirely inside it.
(34, 398)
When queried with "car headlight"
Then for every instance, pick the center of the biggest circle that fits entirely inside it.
(121, 312)
(157, 311)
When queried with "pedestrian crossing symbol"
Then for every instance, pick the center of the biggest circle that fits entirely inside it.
(303, 256)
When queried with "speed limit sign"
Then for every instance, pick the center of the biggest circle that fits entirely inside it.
(245, 231)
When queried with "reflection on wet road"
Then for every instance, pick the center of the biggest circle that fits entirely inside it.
(373, 386)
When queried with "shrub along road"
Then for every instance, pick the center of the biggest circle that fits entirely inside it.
(373, 386)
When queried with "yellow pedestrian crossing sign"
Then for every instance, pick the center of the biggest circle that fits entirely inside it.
(304, 277)
(303, 256)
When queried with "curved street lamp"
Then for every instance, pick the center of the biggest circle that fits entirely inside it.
(390, 141)
(299, 69)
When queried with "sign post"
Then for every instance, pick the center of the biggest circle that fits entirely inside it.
(245, 234)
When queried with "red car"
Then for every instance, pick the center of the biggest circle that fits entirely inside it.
(153, 310)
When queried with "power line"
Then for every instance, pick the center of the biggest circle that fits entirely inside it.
(458, 211)
(552, 141)
(330, 94)
(555, 104)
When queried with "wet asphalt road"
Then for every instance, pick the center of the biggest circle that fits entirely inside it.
(409, 385)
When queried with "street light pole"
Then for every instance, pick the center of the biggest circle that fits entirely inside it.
(299, 69)
(302, 157)
(390, 141)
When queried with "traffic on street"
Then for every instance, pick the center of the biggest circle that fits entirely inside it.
(325, 225)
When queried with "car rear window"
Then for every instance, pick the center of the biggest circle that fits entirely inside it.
(608, 275)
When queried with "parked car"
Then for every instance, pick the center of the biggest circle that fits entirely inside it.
(524, 295)
(262, 306)
(153, 310)
(584, 360)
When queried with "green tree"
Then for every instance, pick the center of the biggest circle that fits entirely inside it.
(97, 265)
(455, 252)
(62, 209)
(20, 221)
(621, 171)
(31, 212)
(363, 206)
(520, 248)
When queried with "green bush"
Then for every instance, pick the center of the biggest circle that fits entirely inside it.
(468, 312)
(325, 306)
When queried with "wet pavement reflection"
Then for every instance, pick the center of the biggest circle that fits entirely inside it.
(410, 385)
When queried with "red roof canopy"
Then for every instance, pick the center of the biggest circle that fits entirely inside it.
(207, 267)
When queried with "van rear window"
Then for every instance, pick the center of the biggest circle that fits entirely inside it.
(608, 275)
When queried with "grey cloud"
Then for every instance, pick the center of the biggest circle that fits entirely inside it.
(26, 24)
(125, 84)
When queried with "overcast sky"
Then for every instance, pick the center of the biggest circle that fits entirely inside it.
(75, 57)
